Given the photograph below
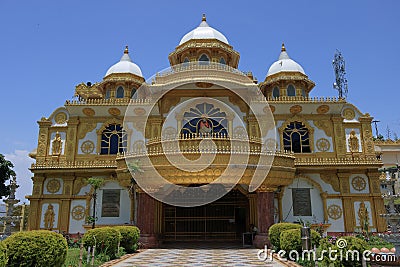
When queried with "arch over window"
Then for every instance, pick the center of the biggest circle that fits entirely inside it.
(291, 91)
(204, 59)
(108, 94)
(222, 61)
(296, 138)
(113, 140)
(275, 92)
(120, 92)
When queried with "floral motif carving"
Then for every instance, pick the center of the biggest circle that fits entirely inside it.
(358, 183)
(322, 109)
(323, 144)
(114, 111)
(60, 118)
(89, 112)
(335, 212)
(349, 114)
(295, 109)
(85, 128)
(53, 186)
(332, 179)
(87, 147)
(78, 212)
(324, 125)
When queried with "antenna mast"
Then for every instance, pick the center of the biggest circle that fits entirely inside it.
(340, 72)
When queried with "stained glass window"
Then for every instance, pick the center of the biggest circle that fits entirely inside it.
(113, 140)
(296, 138)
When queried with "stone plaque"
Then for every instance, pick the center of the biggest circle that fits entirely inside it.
(301, 202)
(110, 204)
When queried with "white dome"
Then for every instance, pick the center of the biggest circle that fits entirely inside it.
(125, 65)
(204, 32)
(285, 63)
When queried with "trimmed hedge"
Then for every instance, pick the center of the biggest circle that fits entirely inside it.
(129, 237)
(3, 255)
(105, 239)
(36, 248)
(275, 231)
(291, 239)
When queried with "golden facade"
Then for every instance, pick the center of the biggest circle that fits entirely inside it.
(324, 152)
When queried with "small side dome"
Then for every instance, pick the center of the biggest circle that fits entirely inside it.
(125, 65)
(204, 31)
(285, 64)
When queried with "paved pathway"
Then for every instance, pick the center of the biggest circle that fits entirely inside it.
(174, 257)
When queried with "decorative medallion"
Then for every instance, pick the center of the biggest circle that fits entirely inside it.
(78, 212)
(203, 85)
(334, 212)
(87, 147)
(139, 111)
(358, 183)
(60, 118)
(271, 144)
(322, 109)
(88, 112)
(323, 144)
(295, 109)
(349, 114)
(114, 111)
(53, 186)
(267, 108)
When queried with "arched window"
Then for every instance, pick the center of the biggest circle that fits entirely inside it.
(291, 91)
(120, 92)
(204, 60)
(303, 92)
(113, 140)
(108, 94)
(275, 92)
(296, 138)
(133, 93)
(222, 61)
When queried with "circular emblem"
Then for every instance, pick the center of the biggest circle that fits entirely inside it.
(88, 112)
(61, 118)
(114, 111)
(334, 212)
(323, 144)
(358, 183)
(295, 109)
(349, 114)
(323, 109)
(87, 147)
(53, 186)
(78, 213)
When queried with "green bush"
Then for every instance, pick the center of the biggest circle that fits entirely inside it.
(291, 239)
(105, 239)
(3, 255)
(36, 248)
(353, 243)
(129, 237)
(275, 231)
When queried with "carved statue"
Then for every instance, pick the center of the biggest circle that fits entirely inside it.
(363, 217)
(57, 145)
(49, 216)
(354, 145)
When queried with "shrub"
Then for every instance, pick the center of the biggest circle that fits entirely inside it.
(3, 255)
(291, 239)
(275, 231)
(105, 239)
(353, 243)
(36, 248)
(129, 237)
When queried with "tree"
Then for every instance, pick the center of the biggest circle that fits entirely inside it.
(6, 173)
(96, 183)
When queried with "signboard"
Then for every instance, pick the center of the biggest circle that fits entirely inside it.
(110, 204)
(301, 202)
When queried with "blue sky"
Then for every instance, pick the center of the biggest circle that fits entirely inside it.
(48, 47)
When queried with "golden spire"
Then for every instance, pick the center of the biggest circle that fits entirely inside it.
(126, 51)
(204, 17)
(283, 47)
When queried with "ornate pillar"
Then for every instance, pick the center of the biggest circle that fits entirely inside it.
(146, 216)
(366, 135)
(339, 136)
(71, 140)
(63, 223)
(43, 140)
(323, 196)
(265, 212)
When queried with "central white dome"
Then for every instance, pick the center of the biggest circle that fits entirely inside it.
(204, 31)
(125, 65)
(285, 64)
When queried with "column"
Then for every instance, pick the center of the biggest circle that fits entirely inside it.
(265, 212)
(146, 215)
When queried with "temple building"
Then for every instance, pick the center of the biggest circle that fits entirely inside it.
(324, 169)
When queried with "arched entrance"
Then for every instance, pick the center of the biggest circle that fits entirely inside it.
(224, 219)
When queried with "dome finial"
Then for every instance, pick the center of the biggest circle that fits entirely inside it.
(126, 51)
(204, 17)
(283, 47)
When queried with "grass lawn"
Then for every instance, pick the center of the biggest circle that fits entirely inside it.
(73, 259)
